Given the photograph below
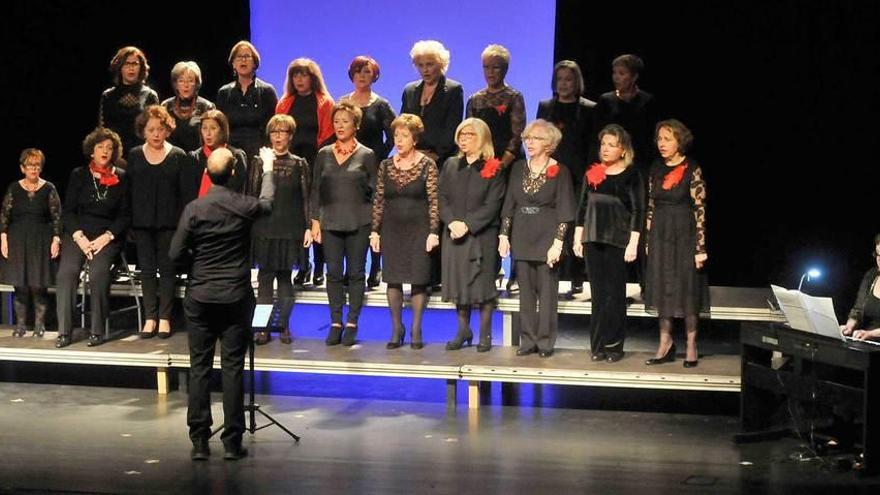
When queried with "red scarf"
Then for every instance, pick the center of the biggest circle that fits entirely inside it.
(490, 168)
(206, 183)
(106, 176)
(596, 175)
(674, 176)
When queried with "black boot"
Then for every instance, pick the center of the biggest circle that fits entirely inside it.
(335, 335)
(41, 308)
(286, 307)
(21, 312)
(349, 337)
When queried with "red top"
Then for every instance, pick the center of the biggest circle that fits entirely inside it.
(325, 113)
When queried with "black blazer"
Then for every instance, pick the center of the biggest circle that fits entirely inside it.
(575, 151)
(441, 116)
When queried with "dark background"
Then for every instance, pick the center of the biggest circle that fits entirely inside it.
(781, 96)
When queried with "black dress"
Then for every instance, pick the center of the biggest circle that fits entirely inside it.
(405, 212)
(638, 116)
(505, 114)
(187, 134)
(30, 222)
(278, 237)
(120, 106)
(674, 288)
(469, 263)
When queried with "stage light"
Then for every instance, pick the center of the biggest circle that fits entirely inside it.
(809, 275)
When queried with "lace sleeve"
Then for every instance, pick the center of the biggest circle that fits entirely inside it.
(379, 198)
(517, 123)
(431, 185)
(55, 211)
(561, 230)
(506, 226)
(6, 211)
(698, 195)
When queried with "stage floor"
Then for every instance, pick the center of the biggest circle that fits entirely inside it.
(112, 440)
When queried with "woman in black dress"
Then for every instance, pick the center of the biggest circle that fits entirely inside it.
(186, 106)
(375, 131)
(406, 225)
(307, 100)
(345, 176)
(538, 208)
(675, 285)
(610, 220)
(30, 238)
(129, 96)
(248, 102)
(864, 318)
(471, 193)
(97, 213)
(154, 171)
(279, 238)
(572, 114)
(195, 182)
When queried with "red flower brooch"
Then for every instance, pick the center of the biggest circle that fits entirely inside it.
(500, 109)
(552, 171)
(674, 176)
(596, 175)
(490, 168)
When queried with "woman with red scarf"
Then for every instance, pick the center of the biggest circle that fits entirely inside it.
(214, 129)
(308, 101)
(96, 216)
(538, 208)
(675, 284)
(610, 220)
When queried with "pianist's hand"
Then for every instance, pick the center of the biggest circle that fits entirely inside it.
(866, 334)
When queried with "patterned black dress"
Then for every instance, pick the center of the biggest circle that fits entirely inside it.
(405, 211)
(30, 220)
(674, 288)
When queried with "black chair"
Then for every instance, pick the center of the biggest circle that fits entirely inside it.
(121, 272)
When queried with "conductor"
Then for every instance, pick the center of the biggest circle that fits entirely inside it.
(213, 237)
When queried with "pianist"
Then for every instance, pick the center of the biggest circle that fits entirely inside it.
(864, 318)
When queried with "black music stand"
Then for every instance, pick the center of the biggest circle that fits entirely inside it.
(260, 322)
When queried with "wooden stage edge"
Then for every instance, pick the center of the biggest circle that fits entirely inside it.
(717, 373)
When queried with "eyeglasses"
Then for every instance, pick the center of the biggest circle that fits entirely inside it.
(467, 134)
(132, 63)
(534, 138)
(36, 166)
(243, 56)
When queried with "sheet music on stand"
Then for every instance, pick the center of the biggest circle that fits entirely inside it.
(811, 314)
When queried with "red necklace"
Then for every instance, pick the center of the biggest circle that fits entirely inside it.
(345, 150)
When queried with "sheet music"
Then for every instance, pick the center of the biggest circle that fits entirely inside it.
(808, 313)
(791, 306)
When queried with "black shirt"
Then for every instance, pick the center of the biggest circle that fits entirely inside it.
(191, 174)
(248, 113)
(638, 116)
(375, 130)
(187, 135)
(441, 115)
(304, 111)
(575, 120)
(120, 106)
(94, 208)
(215, 232)
(155, 189)
(613, 209)
(342, 194)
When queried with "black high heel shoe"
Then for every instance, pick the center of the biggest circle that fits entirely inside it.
(459, 340)
(95, 340)
(667, 358)
(349, 336)
(335, 335)
(396, 338)
(301, 277)
(19, 332)
(691, 364)
(598, 356)
(62, 341)
(415, 339)
(262, 337)
(485, 344)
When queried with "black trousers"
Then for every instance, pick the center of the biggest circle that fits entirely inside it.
(607, 272)
(72, 260)
(346, 250)
(152, 252)
(230, 323)
(538, 284)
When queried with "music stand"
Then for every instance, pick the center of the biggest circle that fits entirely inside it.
(262, 315)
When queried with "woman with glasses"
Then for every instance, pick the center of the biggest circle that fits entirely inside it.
(610, 216)
(30, 239)
(537, 211)
(129, 96)
(248, 102)
(863, 322)
(186, 106)
(471, 193)
(279, 238)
